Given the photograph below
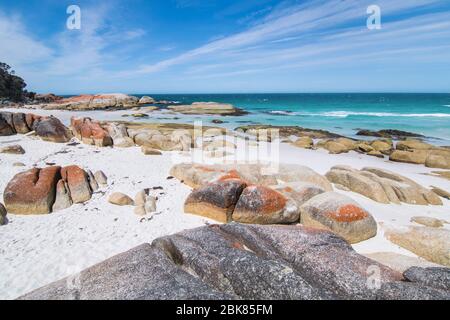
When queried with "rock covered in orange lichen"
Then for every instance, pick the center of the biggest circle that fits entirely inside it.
(340, 214)
(215, 200)
(263, 205)
(90, 132)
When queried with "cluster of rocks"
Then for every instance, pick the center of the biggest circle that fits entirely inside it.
(236, 261)
(381, 185)
(377, 148)
(418, 152)
(42, 191)
(294, 194)
(389, 134)
(92, 102)
(144, 202)
(208, 108)
(47, 128)
(409, 151)
(285, 132)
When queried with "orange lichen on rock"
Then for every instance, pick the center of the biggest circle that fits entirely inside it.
(348, 213)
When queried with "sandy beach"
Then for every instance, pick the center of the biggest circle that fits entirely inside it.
(37, 250)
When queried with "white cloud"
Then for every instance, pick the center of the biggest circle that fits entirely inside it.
(17, 47)
(322, 22)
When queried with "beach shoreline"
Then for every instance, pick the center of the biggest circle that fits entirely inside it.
(50, 247)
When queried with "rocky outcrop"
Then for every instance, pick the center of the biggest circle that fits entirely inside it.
(431, 244)
(51, 129)
(12, 149)
(389, 133)
(287, 131)
(382, 185)
(208, 108)
(90, 132)
(418, 152)
(93, 102)
(337, 213)
(235, 261)
(42, 191)
(146, 100)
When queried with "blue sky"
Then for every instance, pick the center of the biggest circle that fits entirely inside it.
(204, 46)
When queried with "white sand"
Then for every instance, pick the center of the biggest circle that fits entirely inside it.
(36, 250)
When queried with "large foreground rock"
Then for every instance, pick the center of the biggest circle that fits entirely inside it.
(338, 213)
(382, 185)
(237, 261)
(431, 244)
(32, 191)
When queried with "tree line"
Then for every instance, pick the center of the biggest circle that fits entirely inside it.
(12, 87)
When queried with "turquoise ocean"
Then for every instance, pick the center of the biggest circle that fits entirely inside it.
(343, 113)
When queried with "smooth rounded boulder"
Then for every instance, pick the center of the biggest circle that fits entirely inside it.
(51, 129)
(120, 199)
(215, 200)
(263, 205)
(32, 191)
(339, 214)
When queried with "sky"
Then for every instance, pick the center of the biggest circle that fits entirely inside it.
(207, 46)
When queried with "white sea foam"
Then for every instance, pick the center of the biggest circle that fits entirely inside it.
(345, 114)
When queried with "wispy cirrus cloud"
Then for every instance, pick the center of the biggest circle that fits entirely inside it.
(329, 27)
